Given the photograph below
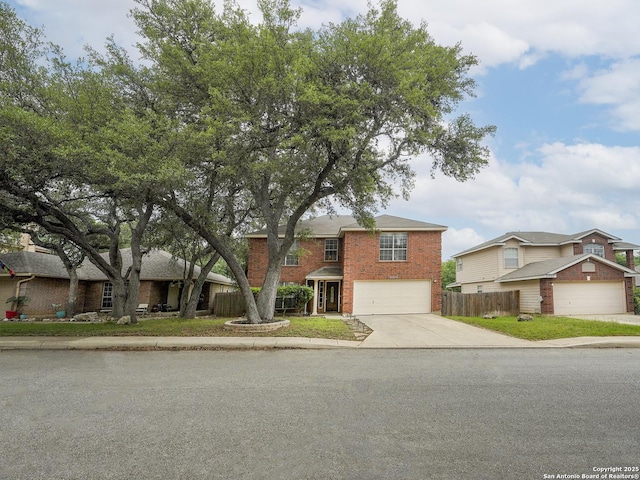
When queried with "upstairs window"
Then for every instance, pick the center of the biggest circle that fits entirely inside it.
(595, 248)
(393, 247)
(331, 250)
(510, 258)
(292, 258)
(458, 264)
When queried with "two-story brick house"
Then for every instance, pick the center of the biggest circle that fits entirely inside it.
(555, 273)
(396, 269)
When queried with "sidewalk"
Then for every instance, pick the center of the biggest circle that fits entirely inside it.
(169, 343)
(418, 331)
(263, 343)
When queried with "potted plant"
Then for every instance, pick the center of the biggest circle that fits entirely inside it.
(19, 301)
(57, 308)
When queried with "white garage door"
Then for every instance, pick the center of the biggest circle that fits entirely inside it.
(589, 298)
(394, 296)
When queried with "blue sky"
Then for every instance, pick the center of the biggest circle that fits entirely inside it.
(561, 82)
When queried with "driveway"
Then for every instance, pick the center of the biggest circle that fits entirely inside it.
(431, 331)
(628, 318)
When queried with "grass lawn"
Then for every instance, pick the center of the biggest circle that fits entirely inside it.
(550, 328)
(306, 327)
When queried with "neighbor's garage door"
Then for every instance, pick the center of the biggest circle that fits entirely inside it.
(588, 298)
(397, 296)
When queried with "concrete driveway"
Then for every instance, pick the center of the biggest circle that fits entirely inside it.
(628, 318)
(431, 331)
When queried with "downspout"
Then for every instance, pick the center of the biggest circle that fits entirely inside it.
(19, 284)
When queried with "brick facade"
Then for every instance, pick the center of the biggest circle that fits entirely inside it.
(311, 258)
(358, 255)
(575, 273)
(595, 238)
(361, 262)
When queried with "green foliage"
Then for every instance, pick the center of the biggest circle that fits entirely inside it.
(19, 301)
(301, 293)
(9, 241)
(636, 300)
(449, 274)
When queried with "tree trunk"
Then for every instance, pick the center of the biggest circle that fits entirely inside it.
(119, 297)
(191, 305)
(72, 301)
(225, 251)
(267, 298)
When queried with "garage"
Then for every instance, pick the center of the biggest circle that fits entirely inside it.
(391, 296)
(589, 298)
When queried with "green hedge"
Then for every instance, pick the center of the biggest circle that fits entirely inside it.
(301, 293)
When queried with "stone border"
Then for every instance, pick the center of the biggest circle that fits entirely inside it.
(233, 326)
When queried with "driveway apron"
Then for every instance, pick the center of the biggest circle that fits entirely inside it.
(431, 331)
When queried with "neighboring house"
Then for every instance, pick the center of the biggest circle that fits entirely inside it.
(43, 278)
(396, 269)
(556, 274)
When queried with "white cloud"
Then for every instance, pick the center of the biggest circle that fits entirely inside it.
(73, 24)
(570, 188)
(569, 27)
(457, 240)
(619, 88)
(496, 30)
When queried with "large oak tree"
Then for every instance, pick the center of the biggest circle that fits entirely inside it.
(301, 120)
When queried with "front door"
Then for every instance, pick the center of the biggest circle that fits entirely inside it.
(332, 293)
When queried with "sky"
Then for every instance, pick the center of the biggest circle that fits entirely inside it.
(560, 80)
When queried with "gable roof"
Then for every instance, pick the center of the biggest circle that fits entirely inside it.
(547, 239)
(550, 268)
(336, 225)
(156, 265)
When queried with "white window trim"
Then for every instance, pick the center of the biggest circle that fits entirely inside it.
(332, 250)
(592, 246)
(395, 251)
(289, 258)
(511, 259)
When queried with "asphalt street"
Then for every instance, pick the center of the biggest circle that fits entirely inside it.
(308, 414)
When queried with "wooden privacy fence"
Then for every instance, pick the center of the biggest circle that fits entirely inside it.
(478, 304)
(229, 304)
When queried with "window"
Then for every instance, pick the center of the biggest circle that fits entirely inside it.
(393, 247)
(287, 302)
(510, 258)
(107, 296)
(331, 250)
(458, 264)
(479, 289)
(321, 294)
(292, 257)
(595, 248)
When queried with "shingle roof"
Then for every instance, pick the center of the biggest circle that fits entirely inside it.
(325, 272)
(156, 265)
(549, 268)
(334, 225)
(41, 264)
(547, 239)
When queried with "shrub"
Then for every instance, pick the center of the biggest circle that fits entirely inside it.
(299, 293)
